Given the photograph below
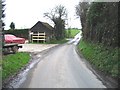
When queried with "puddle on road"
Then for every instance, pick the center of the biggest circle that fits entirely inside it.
(38, 55)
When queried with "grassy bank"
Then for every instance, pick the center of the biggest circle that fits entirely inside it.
(12, 63)
(71, 33)
(104, 58)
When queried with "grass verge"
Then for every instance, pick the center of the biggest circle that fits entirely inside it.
(12, 63)
(103, 58)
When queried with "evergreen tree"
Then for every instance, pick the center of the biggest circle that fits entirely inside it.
(12, 26)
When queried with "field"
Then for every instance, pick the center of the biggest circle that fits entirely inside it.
(71, 33)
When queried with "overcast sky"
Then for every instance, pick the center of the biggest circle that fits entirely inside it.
(25, 13)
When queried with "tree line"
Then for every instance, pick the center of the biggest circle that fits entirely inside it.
(99, 22)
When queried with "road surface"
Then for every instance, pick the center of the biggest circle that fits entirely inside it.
(59, 67)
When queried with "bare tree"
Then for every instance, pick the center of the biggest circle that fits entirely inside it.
(58, 15)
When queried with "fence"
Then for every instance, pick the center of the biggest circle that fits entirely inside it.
(38, 37)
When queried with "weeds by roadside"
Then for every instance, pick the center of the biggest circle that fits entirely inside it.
(104, 58)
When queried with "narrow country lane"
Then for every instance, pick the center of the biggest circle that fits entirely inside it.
(61, 68)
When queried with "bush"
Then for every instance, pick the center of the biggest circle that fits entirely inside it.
(104, 58)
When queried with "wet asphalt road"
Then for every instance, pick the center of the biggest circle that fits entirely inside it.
(61, 68)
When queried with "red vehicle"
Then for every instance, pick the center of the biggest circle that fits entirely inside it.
(9, 38)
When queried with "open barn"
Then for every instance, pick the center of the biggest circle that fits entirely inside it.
(41, 32)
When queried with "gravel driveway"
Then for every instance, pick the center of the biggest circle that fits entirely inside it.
(35, 47)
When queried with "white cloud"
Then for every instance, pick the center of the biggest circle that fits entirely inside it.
(25, 13)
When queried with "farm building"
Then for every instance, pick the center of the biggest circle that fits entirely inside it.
(41, 31)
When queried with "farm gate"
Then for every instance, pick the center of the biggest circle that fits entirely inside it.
(38, 37)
